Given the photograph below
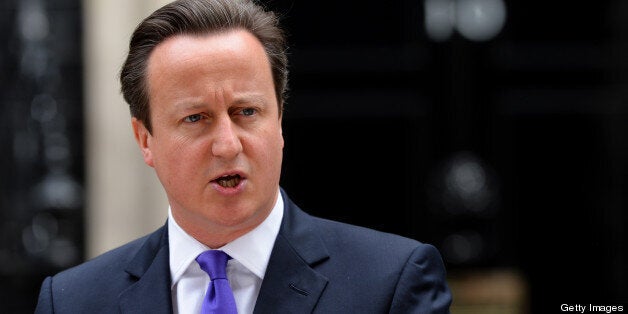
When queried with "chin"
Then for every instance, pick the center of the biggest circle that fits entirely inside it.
(234, 216)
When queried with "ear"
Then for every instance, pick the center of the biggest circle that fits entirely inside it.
(143, 139)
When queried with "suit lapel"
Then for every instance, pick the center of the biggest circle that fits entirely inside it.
(291, 285)
(150, 268)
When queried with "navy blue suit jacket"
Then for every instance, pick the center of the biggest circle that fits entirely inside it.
(316, 266)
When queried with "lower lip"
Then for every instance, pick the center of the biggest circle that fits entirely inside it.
(229, 191)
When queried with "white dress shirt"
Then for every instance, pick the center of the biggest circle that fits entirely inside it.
(250, 254)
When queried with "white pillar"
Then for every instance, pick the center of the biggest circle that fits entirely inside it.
(124, 197)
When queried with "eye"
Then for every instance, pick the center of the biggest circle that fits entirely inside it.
(248, 111)
(193, 118)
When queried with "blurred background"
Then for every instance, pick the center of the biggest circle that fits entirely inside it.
(495, 130)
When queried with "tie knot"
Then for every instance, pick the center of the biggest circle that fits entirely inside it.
(214, 263)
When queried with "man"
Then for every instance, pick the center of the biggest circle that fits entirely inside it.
(206, 81)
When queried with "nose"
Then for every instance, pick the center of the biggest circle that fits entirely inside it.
(226, 143)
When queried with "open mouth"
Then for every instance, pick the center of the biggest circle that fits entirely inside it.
(229, 181)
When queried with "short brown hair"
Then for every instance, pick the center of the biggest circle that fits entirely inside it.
(200, 17)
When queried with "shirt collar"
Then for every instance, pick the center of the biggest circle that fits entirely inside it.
(252, 249)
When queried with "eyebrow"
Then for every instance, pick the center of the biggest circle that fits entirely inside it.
(244, 98)
(187, 105)
(249, 98)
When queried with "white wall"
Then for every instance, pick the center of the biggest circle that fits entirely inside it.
(124, 197)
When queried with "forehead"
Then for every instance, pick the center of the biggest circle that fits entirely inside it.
(186, 68)
(214, 48)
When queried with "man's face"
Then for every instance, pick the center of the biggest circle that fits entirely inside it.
(216, 141)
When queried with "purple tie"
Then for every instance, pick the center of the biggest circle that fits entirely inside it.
(219, 297)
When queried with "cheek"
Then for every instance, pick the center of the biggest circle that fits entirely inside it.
(266, 148)
(273, 152)
(176, 154)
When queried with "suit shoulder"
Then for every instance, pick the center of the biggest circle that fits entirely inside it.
(94, 286)
(358, 237)
(106, 261)
(108, 267)
(394, 274)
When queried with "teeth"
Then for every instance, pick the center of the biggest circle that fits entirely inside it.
(229, 181)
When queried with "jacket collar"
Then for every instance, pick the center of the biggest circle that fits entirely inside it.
(149, 269)
(291, 284)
